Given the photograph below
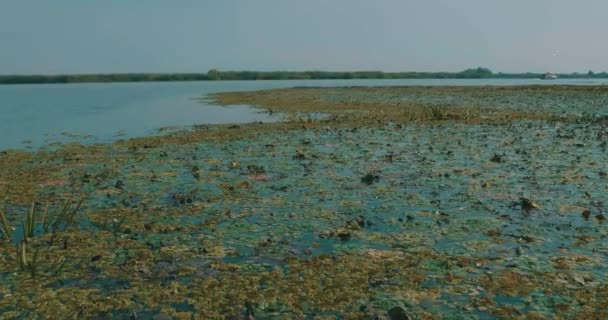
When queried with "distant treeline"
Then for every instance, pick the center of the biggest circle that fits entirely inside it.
(214, 74)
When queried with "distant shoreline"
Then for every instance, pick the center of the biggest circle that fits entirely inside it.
(215, 75)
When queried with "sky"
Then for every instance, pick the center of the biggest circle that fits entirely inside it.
(76, 36)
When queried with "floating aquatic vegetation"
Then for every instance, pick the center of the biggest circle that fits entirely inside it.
(370, 178)
(353, 215)
(407, 104)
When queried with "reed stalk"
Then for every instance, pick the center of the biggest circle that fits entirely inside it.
(6, 228)
(29, 223)
(45, 218)
(21, 248)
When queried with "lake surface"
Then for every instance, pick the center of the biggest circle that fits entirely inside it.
(35, 115)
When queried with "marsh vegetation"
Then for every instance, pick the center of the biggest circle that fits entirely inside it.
(426, 203)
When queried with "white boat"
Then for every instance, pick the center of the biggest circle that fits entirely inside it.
(549, 76)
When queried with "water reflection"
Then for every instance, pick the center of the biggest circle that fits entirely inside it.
(35, 115)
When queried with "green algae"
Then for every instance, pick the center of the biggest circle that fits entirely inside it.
(281, 218)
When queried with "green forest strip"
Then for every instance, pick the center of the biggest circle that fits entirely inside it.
(212, 75)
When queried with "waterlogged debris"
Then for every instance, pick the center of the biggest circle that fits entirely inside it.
(494, 233)
(397, 313)
(344, 234)
(280, 188)
(527, 204)
(254, 169)
(360, 221)
(370, 178)
(571, 208)
(300, 155)
(498, 158)
(527, 238)
(385, 255)
(196, 172)
(54, 183)
(181, 199)
(259, 177)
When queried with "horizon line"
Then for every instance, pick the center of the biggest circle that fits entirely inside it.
(288, 71)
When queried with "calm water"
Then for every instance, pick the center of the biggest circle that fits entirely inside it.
(35, 115)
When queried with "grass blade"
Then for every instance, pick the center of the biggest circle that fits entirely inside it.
(6, 228)
(22, 254)
(44, 219)
(31, 221)
(34, 264)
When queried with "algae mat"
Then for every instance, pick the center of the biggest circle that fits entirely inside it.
(336, 218)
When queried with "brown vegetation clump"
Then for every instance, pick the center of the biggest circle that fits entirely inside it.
(351, 105)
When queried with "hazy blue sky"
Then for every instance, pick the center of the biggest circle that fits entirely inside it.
(76, 36)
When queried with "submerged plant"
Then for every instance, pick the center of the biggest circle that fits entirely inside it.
(33, 266)
(65, 218)
(62, 221)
